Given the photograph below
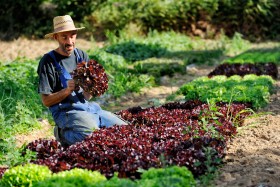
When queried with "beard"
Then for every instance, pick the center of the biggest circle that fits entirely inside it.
(67, 48)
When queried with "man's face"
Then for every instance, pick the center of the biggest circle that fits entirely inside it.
(66, 41)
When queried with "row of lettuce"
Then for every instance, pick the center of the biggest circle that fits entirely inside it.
(40, 176)
(251, 88)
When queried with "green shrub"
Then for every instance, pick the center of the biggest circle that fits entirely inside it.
(75, 8)
(24, 175)
(255, 19)
(174, 15)
(246, 16)
(114, 14)
(36, 21)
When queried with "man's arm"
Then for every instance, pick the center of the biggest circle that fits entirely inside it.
(54, 98)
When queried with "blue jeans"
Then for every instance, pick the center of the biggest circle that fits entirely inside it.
(78, 120)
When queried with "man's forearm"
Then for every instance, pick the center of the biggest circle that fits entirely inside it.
(54, 98)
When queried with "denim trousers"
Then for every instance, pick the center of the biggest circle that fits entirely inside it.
(76, 121)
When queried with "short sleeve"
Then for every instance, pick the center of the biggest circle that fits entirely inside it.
(46, 75)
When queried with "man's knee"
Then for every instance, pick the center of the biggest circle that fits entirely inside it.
(109, 119)
(70, 137)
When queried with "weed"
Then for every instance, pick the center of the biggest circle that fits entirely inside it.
(212, 168)
(10, 155)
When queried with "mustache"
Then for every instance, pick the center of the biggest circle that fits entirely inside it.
(68, 45)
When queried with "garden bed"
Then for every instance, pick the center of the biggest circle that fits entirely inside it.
(253, 156)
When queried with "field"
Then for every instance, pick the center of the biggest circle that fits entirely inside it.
(253, 156)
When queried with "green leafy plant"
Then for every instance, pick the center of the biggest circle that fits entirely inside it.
(212, 168)
(209, 116)
(35, 23)
(20, 105)
(136, 51)
(262, 55)
(121, 79)
(115, 181)
(20, 102)
(251, 88)
(24, 175)
(169, 176)
(11, 155)
(76, 177)
(233, 46)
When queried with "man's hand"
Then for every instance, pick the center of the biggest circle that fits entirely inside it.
(54, 98)
(71, 85)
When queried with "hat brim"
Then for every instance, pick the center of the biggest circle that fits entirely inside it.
(50, 35)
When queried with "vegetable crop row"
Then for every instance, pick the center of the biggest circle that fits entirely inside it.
(242, 69)
(172, 134)
(250, 88)
(41, 176)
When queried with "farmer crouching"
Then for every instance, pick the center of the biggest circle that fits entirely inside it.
(75, 117)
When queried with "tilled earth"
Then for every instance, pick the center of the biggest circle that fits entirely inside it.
(253, 156)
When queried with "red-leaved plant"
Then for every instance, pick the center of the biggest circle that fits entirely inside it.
(91, 77)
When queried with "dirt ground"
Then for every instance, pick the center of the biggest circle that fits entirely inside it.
(253, 157)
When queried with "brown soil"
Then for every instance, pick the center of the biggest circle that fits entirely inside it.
(253, 156)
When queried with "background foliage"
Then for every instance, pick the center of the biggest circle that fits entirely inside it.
(255, 19)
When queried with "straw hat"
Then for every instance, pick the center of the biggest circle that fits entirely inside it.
(62, 24)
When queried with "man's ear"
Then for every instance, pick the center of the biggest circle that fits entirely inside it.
(55, 36)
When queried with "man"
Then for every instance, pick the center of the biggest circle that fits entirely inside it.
(74, 116)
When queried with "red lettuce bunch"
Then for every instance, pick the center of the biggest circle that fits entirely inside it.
(91, 77)
(44, 148)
